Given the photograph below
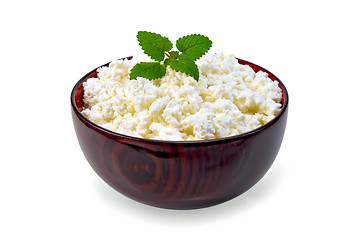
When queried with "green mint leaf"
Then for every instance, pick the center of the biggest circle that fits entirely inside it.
(149, 70)
(184, 64)
(194, 45)
(174, 54)
(167, 61)
(154, 44)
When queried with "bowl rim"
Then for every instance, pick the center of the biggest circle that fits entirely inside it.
(244, 135)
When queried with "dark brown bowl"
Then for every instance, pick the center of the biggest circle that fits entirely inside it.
(179, 174)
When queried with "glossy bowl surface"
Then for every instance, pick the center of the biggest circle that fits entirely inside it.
(179, 174)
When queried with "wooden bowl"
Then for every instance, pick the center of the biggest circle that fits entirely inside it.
(179, 174)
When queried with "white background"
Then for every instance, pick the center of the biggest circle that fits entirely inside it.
(49, 191)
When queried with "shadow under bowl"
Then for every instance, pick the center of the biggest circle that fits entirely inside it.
(179, 174)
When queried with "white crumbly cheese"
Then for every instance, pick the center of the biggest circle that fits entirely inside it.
(228, 99)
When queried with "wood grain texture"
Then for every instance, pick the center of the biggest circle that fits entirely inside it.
(179, 175)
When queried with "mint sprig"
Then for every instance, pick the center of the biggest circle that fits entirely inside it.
(190, 48)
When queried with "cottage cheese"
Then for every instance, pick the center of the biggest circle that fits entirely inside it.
(228, 99)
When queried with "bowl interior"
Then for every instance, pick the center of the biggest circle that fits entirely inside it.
(78, 91)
